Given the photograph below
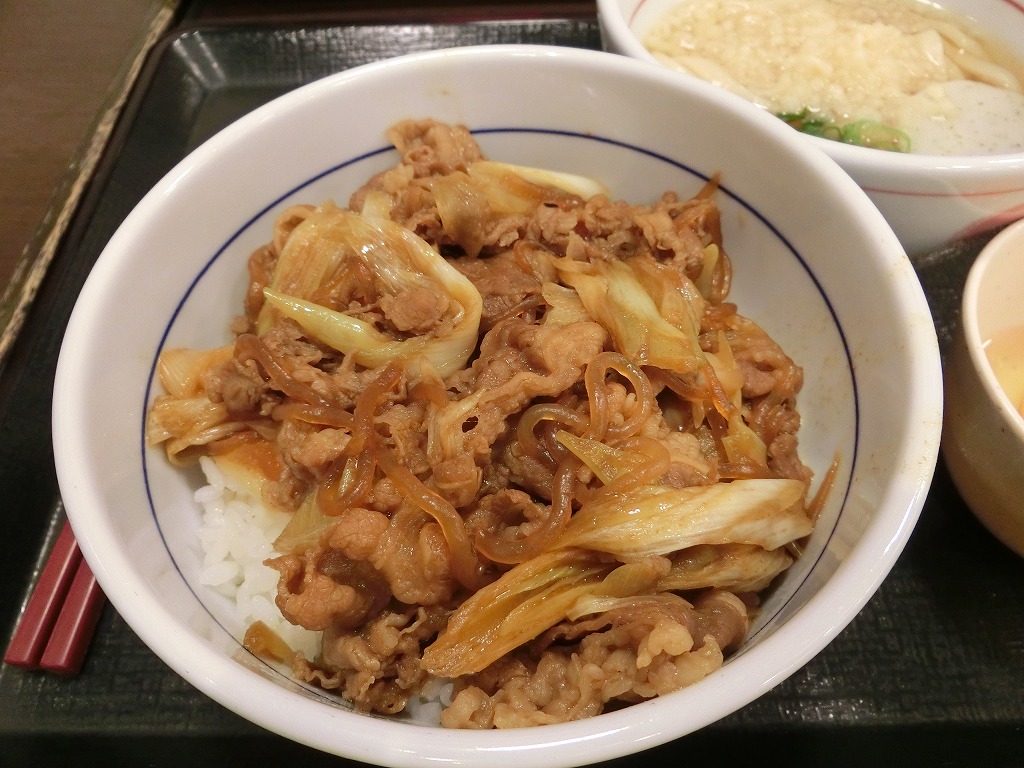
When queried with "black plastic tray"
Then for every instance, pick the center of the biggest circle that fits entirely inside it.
(930, 673)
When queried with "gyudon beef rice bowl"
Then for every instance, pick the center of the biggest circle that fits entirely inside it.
(505, 442)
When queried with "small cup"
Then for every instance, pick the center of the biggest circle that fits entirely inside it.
(983, 430)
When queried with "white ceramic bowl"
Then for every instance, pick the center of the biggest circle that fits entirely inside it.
(983, 432)
(929, 200)
(814, 262)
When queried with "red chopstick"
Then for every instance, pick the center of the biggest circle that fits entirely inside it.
(72, 634)
(56, 628)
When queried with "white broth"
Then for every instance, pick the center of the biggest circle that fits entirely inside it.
(896, 74)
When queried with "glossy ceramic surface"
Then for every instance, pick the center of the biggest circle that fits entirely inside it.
(815, 264)
(929, 201)
(983, 436)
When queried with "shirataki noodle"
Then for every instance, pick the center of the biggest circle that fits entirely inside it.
(522, 440)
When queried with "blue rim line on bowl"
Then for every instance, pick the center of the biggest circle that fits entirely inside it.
(723, 188)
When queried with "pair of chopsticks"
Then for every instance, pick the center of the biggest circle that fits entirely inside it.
(57, 625)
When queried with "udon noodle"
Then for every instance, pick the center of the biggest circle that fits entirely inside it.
(899, 75)
(525, 442)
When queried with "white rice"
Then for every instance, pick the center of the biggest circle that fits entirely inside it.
(237, 534)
